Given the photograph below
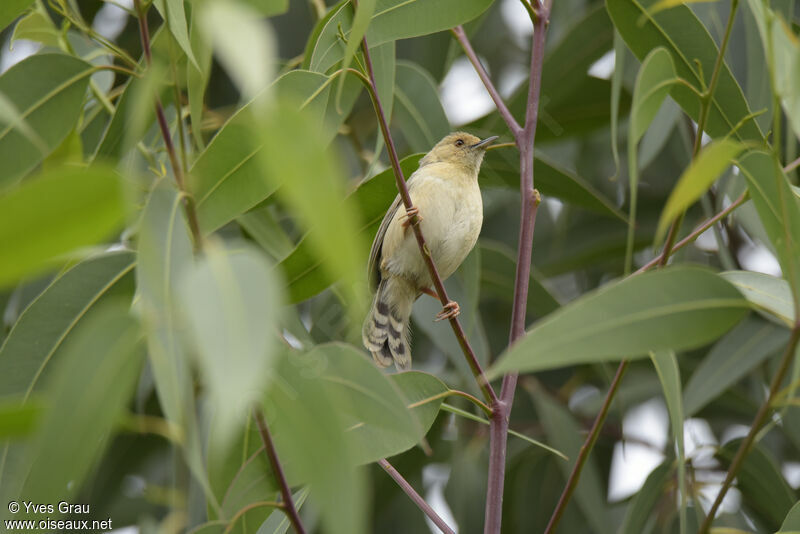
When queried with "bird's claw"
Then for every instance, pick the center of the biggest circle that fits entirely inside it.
(450, 310)
(409, 214)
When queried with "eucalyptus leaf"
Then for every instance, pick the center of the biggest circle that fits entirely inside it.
(11, 9)
(47, 91)
(766, 293)
(730, 359)
(687, 40)
(696, 179)
(88, 390)
(628, 319)
(418, 112)
(779, 210)
(55, 213)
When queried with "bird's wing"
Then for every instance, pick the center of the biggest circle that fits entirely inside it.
(374, 265)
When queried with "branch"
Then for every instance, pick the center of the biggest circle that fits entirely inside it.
(286, 493)
(761, 416)
(461, 36)
(530, 199)
(418, 500)
(177, 170)
(472, 360)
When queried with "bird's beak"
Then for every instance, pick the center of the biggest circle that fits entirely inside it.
(485, 142)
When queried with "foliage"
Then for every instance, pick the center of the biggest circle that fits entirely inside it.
(185, 214)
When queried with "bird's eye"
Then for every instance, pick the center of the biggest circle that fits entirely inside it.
(460, 142)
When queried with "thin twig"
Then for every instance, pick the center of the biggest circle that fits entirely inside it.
(277, 470)
(177, 170)
(761, 416)
(586, 448)
(414, 496)
(472, 360)
(708, 223)
(530, 200)
(461, 36)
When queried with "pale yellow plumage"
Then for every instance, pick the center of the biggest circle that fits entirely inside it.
(445, 191)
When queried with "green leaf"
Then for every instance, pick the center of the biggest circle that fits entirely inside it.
(36, 340)
(37, 26)
(552, 180)
(764, 489)
(197, 76)
(640, 509)
(696, 179)
(172, 11)
(418, 113)
(564, 434)
(302, 415)
(391, 20)
(54, 213)
(89, 389)
(231, 300)
(364, 10)
(384, 415)
(18, 418)
(248, 53)
(310, 182)
(731, 359)
(269, 8)
(670, 376)
(686, 39)
(226, 179)
(779, 210)
(628, 319)
(10, 10)
(47, 91)
(766, 293)
(304, 272)
(277, 522)
(792, 521)
(653, 82)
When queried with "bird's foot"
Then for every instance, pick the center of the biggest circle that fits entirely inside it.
(449, 311)
(430, 292)
(409, 214)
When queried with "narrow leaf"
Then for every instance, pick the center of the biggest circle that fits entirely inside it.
(231, 300)
(55, 213)
(173, 12)
(767, 293)
(418, 111)
(47, 92)
(668, 373)
(779, 210)
(695, 180)
(730, 359)
(628, 319)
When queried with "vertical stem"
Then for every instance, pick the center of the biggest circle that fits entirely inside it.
(761, 417)
(418, 500)
(286, 492)
(530, 199)
(177, 170)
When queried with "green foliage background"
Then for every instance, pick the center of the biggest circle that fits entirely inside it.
(130, 358)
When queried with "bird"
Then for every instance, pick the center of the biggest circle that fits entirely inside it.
(446, 201)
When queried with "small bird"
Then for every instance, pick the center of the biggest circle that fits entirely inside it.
(447, 202)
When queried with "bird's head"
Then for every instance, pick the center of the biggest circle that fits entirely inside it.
(459, 148)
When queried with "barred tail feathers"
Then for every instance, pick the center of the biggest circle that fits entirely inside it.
(385, 331)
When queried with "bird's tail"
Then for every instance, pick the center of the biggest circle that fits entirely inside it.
(385, 330)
